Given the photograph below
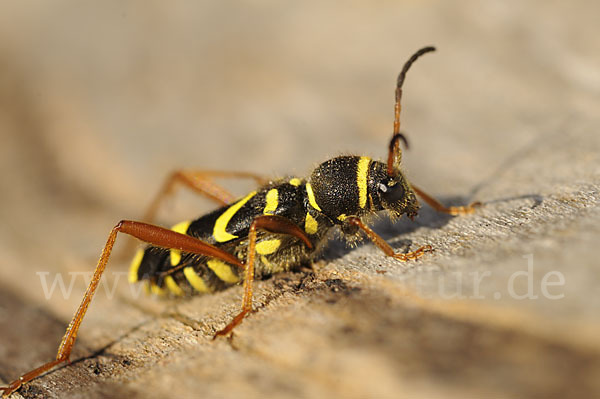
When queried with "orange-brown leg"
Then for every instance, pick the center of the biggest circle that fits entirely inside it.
(154, 235)
(383, 245)
(272, 224)
(438, 206)
(201, 182)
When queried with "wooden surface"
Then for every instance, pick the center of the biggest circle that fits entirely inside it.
(99, 101)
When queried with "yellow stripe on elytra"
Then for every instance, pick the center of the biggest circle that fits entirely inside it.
(135, 266)
(311, 197)
(172, 286)
(362, 170)
(195, 281)
(175, 254)
(295, 181)
(223, 271)
(219, 230)
(310, 224)
(268, 247)
(272, 199)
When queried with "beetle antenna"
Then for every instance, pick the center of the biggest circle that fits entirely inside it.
(395, 154)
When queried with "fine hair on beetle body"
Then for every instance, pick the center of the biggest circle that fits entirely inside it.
(279, 226)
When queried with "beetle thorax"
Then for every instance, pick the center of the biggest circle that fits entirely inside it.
(354, 186)
(339, 187)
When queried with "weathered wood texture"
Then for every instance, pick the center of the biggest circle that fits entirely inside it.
(99, 101)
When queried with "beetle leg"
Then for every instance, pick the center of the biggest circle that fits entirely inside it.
(272, 224)
(438, 206)
(383, 245)
(151, 234)
(201, 182)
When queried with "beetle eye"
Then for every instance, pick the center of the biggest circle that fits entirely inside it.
(391, 193)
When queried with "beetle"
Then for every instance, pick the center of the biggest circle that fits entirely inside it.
(275, 228)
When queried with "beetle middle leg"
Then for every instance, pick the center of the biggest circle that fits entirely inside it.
(199, 181)
(202, 183)
(272, 224)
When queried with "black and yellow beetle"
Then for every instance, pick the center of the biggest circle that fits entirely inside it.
(275, 228)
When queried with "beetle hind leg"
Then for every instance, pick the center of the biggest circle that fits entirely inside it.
(153, 235)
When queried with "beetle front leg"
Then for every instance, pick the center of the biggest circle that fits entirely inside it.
(383, 245)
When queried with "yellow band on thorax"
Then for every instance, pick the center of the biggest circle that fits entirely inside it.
(362, 171)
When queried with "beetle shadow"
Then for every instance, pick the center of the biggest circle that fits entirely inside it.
(537, 199)
(393, 232)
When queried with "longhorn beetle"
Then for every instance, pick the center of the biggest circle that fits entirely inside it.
(275, 228)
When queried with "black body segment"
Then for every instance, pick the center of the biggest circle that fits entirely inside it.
(340, 187)
(227, 228)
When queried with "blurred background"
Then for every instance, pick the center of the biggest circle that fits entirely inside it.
(99, 101)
